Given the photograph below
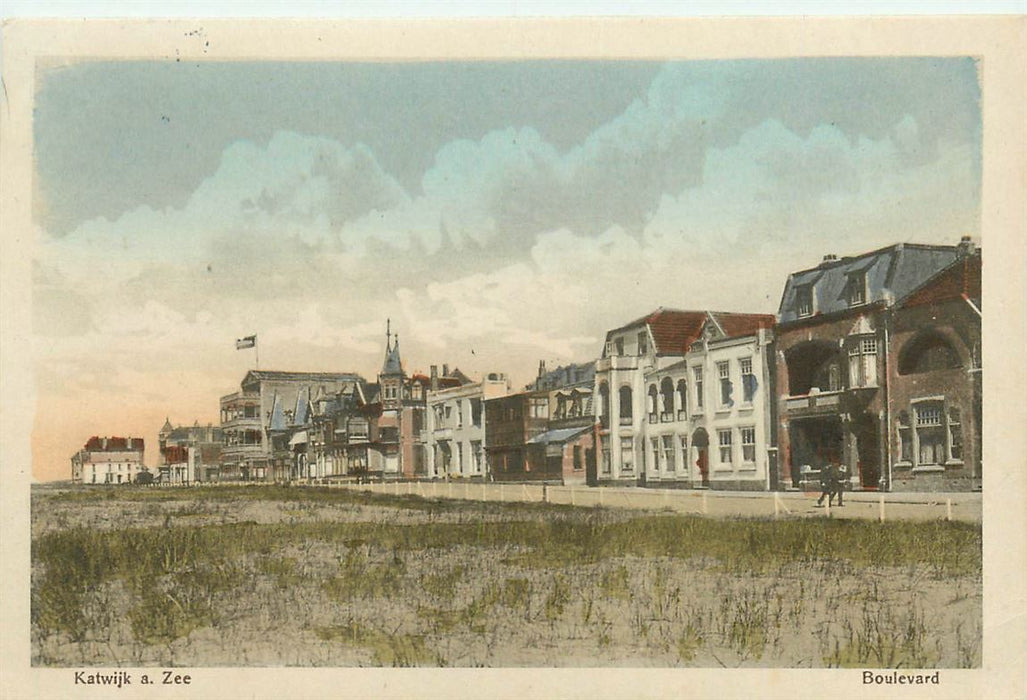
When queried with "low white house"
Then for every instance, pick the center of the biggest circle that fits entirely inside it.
(108, 460)
(455, 431)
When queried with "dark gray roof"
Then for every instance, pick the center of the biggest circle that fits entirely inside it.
(277, 421)
(256, 375)
(558, 435)
(566, 375)
(891, 273)
(302, 404)
(393, 364)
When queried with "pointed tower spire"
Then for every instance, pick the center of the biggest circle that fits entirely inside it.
(388, 335)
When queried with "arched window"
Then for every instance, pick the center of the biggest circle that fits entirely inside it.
(682, 399)
(928, 352)
(625, 404)
(667, 395)
(604, 405)
(652, 403)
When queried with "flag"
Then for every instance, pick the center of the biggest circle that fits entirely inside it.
(247, 342)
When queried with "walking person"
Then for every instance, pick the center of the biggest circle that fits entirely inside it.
(827, 484)
(841, 478)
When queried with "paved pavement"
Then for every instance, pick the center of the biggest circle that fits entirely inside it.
(789, 504)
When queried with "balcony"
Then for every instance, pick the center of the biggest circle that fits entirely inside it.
(251, 423)
(233, 452)
(240, 397)
(617, 362)
(823, 403)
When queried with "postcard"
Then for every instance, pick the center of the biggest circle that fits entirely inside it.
(513, 358)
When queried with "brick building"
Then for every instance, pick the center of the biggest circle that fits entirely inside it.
(836, 357)
(196, 446)
(934, 382)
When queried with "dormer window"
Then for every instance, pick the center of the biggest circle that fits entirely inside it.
(856, 289)
(619, 346)
(804, 301)
(643, 343)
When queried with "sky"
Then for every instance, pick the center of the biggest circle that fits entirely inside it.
(498, 213)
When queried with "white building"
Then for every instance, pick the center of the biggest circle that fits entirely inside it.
(683, 398)
(455, 434)
(108, 460)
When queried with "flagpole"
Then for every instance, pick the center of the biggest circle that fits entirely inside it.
(256, 351)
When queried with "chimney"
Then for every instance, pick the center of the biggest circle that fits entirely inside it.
(828, 259)
(966, 246)
(434, 377)
(445, 370)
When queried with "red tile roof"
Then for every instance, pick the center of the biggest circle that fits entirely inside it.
(674, 331)
(96, 444)
(739, 325)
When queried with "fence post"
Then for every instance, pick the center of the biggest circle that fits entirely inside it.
(777, 505)
(948, 509)
(882, 507)
(600, 494)
(572, 495)
(483, 495)
(705, 505)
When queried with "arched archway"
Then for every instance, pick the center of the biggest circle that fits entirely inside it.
(813, 364)
(701, 454)
(928, 351)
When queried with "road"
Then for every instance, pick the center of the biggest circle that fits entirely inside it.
(961, 506)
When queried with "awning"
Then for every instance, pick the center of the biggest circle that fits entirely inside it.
(559, 435)
(298, 438)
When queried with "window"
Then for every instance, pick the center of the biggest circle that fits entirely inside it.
(748, 379)
(684, 451)
(930, 433)
(655, 443)
(724, 439)
(476, 460)
(609, 349)
(476, 411)
(905, 438)
(619, 345)
(955, 435)
(460, 457)
(604, 405)
(748, 445)
(625, 405)
(804, 301)
(627, 454)
(724, 373)
(698, 388)
(667, 398)
(604, 447)
(578, 462)
(539, 408)
(459, 413)
(652, 401)
(682, 399)
(856, 289)
(643, 343)
(863, 362)
(669, 462)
